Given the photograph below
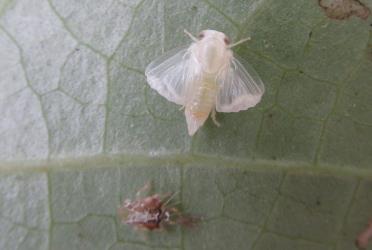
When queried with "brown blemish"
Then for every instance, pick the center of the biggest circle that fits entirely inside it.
(153, 212)
(364, 237)
(343, 9)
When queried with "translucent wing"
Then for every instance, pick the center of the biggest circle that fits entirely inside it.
(170, 73)
(239, 89)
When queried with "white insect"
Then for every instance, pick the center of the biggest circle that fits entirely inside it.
(205, 77)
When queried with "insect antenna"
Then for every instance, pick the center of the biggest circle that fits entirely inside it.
(190, 35)
(166, 202)
(144, 189)
(239, 42)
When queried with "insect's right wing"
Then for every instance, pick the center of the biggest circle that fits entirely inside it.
(240, 89)
(170, 73)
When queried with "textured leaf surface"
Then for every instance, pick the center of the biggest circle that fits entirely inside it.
(80, 130)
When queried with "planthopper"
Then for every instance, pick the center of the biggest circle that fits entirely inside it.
(204, 78)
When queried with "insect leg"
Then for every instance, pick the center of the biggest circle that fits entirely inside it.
(213, 115)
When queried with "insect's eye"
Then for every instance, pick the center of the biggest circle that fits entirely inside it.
(226, 40)
(201, 35)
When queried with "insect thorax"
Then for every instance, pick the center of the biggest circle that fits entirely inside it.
(212, 55)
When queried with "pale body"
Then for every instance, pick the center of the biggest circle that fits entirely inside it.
(211, 54)
(204, 78)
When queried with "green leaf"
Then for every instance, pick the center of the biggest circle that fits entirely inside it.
(80, 129)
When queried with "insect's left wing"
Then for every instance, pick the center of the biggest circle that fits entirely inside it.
(239, 89)
(170, 73)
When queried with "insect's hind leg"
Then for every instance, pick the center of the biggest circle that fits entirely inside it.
(213, 115)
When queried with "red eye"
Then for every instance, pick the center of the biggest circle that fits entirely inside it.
(226, 40)
(201, 35)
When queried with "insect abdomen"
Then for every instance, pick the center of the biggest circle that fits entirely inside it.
(204, 99)
(202, 102)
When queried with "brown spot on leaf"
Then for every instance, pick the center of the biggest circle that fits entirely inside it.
(343, 9)
(364, 237)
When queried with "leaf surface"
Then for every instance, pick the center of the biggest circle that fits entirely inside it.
(80, 129)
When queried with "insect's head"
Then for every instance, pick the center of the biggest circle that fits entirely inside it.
(213, 34)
